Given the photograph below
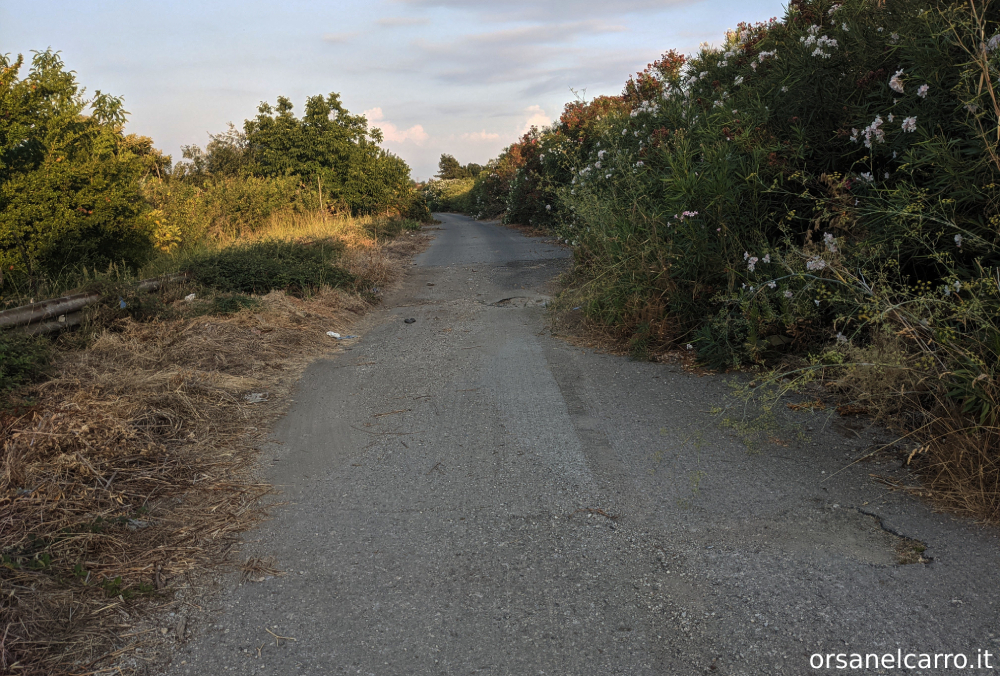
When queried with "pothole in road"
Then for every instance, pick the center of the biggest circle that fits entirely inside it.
(521, 301)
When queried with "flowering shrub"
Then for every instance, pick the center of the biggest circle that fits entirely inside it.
(827, 179)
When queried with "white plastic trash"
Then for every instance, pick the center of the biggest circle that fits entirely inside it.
(333, 334)
(190, 297)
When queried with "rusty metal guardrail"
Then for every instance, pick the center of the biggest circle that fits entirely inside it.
(52, 315)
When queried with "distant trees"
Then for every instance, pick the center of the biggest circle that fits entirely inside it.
(449, 168)
(327, 148)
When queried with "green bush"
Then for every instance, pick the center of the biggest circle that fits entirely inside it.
(261, 267)
(414, 207)
(23, 359)
(69, 179)
(185, 214)
(449, 194)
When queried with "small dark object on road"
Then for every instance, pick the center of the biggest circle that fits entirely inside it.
(409, 321)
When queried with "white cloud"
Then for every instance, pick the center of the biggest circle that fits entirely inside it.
(536, 118)
(416, 133)
(480, 136)
(394, 134)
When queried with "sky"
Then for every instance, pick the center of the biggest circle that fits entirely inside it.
(465, 77)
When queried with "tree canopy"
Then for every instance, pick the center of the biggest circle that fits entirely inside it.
(69, 177)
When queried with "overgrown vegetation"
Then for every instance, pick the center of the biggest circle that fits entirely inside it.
(818, 194)
(23, 359)
(261, 267)
(127, 454)
(449, 194)
(77, 193)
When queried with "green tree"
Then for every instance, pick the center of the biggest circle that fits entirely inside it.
(449, 168)
(69, 178)
(328, 146)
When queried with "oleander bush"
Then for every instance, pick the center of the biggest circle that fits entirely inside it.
(819, 191)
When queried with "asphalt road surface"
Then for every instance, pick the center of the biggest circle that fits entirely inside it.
(468, 494)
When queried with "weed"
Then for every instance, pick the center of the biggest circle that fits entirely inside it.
(260, 267)
(231, 304)
(23, 359)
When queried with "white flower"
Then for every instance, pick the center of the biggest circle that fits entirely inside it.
(784, 89)
(772, 284)
(598, 163)
(922, 90)
(844, 28)
(723, 63)
(958, 285)
(752, 263)
(841, 338)
(607, 175)
(830, 241)
(833, 9)
(993, 43)
(767, 258)
(738, 80)
(600, 154)
(891, 117)
(866, 177)
(894, 38)
(788, 294)
(958, 241)
(873, 132)
(895, 83)
(817, 303)
(910, 124)
(690, 346)
(548, 207)
(745, 255)
(820, 52)
(639, 163)
(815, 263)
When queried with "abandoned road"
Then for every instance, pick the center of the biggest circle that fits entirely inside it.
(469, 494)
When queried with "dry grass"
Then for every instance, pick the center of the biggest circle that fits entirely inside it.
(134, 467)
(959, 467)
(352, 231)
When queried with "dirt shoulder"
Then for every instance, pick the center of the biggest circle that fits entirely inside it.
(129, 475)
